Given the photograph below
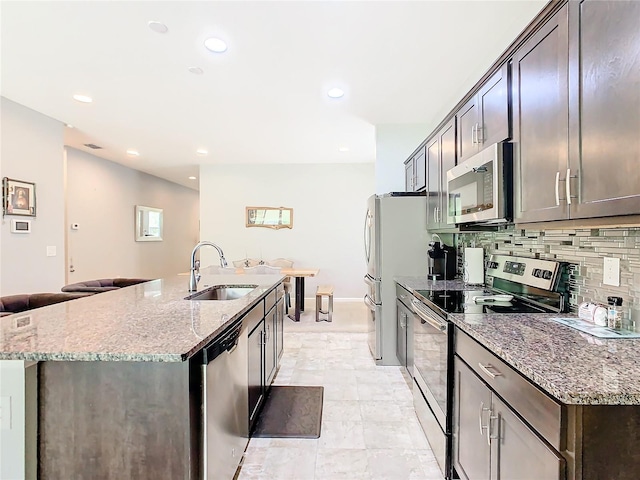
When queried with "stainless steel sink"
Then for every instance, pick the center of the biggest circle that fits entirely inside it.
(222, 292)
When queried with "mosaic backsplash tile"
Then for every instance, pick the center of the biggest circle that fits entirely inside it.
(584, 249)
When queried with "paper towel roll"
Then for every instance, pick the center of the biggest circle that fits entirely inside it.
(474, 265)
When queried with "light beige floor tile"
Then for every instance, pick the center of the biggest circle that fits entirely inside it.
(335, 463)
(341, 411)
(342, 434)
(387, 464)
(369, 428)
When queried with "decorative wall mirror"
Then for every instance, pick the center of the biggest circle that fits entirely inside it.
(270, 217)
(148, 224)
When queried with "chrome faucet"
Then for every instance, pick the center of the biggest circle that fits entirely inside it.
(195, 266)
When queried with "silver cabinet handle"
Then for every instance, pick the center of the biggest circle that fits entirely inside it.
(480, 415)
(557, 189)
(489, 436)
(479, 129)
(490, 370)
(435, 218)
(473, 134)
(567, 186)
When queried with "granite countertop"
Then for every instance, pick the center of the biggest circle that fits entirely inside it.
(148, 322)
(573, 367)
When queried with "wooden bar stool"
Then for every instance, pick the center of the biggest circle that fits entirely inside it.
(324, 291)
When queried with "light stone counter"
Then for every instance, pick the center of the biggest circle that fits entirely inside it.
(148, 322)
(574, 367)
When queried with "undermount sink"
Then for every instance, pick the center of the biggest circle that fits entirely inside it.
(222, 292)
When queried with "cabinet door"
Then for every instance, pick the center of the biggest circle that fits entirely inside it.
(408, 175)
(279, 330)
(541, 113)
(256, 369)
(401, 333)
(471, 412)
(433, 182)
(493, 107)
(270, 354)
(517, 453)
(447, 138)
(419, 169)
(605, 54)
(467, 120)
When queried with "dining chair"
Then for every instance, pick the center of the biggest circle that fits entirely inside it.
(284, 263)
(261, 270)
(247, 262)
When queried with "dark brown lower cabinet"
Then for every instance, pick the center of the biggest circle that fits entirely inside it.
(116, 420)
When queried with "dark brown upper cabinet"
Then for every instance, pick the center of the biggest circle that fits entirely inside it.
(415, 171)
(441, 156)
(484, 119)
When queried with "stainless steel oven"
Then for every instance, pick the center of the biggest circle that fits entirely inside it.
(480, 188)
(432, 344)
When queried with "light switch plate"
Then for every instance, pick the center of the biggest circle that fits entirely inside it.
(611, 271)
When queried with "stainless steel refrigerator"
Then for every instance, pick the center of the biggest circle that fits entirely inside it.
(395, 244)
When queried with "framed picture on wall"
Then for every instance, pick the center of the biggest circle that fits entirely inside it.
(18, 197)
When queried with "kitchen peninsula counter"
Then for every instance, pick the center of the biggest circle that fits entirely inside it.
(148, 322)
(574, 367)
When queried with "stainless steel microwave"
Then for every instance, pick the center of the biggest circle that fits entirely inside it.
(480, 189)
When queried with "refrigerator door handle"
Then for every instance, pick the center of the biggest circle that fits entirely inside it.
(368, 281)
(369, 303)
(367, 237)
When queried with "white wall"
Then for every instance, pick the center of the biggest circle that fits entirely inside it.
(394, 144)
(32, 151)
(101, 198)
(329, 204)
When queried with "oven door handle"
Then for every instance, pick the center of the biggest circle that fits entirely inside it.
(442, 326)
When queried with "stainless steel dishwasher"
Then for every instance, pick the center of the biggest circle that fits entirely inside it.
(225, 400)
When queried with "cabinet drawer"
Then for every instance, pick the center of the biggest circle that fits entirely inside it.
(253, 318)
(542, 412)
(279, 292)
(270, 300)
(403, 295)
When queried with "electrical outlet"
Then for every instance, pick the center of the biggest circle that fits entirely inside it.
(611, 271)
(5, 413)
(51, 251)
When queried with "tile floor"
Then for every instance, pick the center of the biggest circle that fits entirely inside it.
(369, 428)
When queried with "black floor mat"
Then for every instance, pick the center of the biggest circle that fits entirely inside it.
(291, 412)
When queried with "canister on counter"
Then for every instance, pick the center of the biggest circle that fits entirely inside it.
(593, 312)
(614, 313)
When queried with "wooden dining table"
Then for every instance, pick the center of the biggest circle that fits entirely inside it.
(300, 274)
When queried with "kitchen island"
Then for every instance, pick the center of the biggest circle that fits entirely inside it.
(533, 398)
(119, 375)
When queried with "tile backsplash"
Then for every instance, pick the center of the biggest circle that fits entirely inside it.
(585, 250)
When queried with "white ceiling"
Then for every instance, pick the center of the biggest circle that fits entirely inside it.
(263, 101)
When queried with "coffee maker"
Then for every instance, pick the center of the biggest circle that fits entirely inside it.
(442, 261)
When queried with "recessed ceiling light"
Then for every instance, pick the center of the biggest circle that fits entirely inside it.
(133, 153)
(158, 27)
(192, 178)
(202, 152)
(196, 70)
(335, 92)
(343, 149)
(215, 45)
(83, 98)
